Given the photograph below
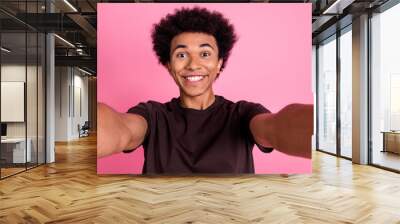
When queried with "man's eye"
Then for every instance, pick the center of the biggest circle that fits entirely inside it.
(205, 54)
(180, 55)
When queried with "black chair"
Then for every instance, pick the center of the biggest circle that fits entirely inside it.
(84, 130)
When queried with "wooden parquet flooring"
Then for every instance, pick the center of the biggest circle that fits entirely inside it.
(10, 171)
(70, 191)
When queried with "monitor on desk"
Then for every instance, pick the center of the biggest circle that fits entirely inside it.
(3, 130)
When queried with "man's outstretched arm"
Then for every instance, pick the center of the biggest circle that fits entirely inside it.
(117, 132)
(288, 131)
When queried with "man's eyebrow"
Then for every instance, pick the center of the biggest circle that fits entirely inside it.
(206, 45)
(184, 46)
(179, 46)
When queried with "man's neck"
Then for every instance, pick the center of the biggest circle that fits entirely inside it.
(201, 102)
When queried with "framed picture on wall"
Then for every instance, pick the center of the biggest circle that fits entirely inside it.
(12, 101)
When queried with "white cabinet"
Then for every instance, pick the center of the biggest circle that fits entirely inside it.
(391, 142)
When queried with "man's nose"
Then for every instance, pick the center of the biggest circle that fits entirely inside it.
(193, 63)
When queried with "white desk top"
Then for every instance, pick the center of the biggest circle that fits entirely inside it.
(13, 140)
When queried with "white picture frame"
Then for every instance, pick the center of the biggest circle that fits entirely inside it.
(12, 101)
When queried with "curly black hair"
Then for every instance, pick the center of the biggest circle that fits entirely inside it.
(193, 20)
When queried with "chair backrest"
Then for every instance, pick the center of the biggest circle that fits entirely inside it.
(86, 125)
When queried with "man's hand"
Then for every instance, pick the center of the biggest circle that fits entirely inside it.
(288, 131)
(294, 128)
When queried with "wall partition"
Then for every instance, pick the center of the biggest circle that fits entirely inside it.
(22, 87)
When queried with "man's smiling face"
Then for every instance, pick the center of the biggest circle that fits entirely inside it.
(194, 62)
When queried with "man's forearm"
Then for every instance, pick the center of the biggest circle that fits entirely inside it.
(118, 131)
(112, 135)
(263, 128)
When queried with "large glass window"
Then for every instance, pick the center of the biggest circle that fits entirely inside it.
(13, 88)
(327, 95)
(22, 89)
(385, 88)
(346, 92)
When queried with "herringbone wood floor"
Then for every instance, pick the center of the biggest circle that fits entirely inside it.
(70, 191)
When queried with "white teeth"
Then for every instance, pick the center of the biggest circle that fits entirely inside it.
(194, 78)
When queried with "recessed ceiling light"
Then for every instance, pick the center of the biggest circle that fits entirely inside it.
(84, 71)
(70, 5)
(337, 7)
(64, 40)
(5, 50)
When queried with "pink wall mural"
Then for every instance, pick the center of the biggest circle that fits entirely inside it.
(270, 64)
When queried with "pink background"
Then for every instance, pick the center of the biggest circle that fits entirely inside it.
(270, 64)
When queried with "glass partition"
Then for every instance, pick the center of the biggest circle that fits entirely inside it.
(327, 95)
(22, 88)
(346, 92)
(13, 109)
(385, 88)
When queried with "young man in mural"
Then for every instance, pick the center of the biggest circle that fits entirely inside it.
(200, 132)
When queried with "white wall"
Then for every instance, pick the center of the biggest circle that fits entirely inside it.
(61, 103)
(81, 103)
(71, 93)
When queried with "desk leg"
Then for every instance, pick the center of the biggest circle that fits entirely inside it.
(384, 143)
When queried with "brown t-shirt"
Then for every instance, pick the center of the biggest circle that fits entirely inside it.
(182, 140)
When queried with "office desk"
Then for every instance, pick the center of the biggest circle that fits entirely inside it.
(391, 141)
(13, 150)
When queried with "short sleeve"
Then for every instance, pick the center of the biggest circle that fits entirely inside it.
(144, 110)
(248, 110)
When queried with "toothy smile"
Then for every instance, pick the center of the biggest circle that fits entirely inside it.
(194, 78)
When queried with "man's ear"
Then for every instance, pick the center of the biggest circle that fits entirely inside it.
(220, 61)
(168, 67)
